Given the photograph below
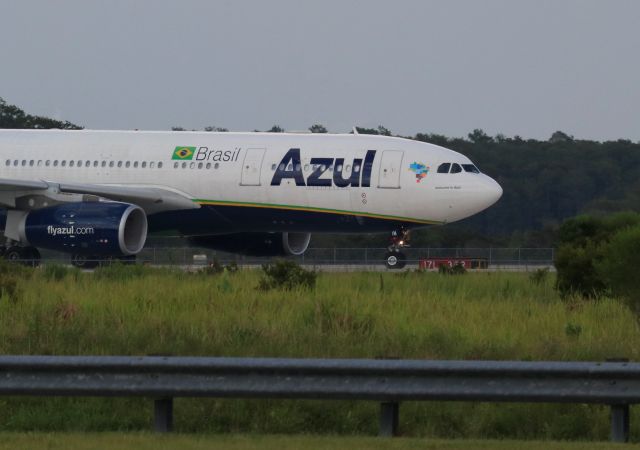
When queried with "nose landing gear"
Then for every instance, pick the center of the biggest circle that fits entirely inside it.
(395, 258)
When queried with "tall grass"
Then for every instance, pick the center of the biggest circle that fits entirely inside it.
(142, 311)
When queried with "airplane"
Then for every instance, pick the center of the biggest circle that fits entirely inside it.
(95, 194)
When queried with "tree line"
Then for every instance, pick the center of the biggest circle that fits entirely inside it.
(544, 182)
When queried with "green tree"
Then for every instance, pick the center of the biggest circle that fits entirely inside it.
(619, 266)
(589, 251)
(12, 116)
(317, 128)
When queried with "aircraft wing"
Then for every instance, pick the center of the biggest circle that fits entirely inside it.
(153, 199)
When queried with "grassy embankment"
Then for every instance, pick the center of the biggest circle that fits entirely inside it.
(138, 311)
(139, 441)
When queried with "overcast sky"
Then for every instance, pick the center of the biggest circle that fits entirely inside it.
(523, 68)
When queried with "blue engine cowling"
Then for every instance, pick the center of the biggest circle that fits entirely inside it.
(92, 228)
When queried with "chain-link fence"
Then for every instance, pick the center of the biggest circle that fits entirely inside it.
(349, 258)
(490, 258)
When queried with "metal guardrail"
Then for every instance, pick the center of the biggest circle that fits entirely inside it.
(388, 381)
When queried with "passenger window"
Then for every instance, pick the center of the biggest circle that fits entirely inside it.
(152, 165)
(104, 164)
(175, 165)
(24, 162)
(444, 168)
(55, 163)
(87, 163)
(39, 163)
(455, 168)
(63, 163)
(273, 167)
(339, 167)
(119, 163)
(199, 165)
(47, 162)
(95, 164)
(192, 165)
(79, 163)
(71, 163)
(144, 164)
(356, 168)
(127, 164)
(31, 163)
(216, 165)
(306, 167)
(160, 165)
(111, 163)
(135, 164)
(8, 162)
(209, 165)
(297, 167)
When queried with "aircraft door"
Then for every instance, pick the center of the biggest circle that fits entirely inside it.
(389, 175)
(251, 167)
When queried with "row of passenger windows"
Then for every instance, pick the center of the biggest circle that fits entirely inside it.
(457, 168)
(87, 163)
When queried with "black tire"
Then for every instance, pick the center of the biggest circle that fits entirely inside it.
(31, 256)
(28, 256)
(392, 260)
(14, 254)
(84, 261)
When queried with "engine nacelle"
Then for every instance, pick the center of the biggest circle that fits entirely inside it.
(92, 228)
(256, 244)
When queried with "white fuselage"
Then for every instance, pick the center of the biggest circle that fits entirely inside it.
(251, 170)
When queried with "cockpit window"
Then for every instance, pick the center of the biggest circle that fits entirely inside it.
(455, 168)
(470, 168)
(444, 168)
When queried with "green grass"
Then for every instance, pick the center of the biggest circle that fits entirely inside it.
(71, 441)
(141, 311)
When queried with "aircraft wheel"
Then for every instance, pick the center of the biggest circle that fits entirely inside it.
(31, 256)
(84, 261)
(395, 260)
(14, 254)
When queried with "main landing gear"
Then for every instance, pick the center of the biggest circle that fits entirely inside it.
(395, 258)
(29, 256)
(83, 261)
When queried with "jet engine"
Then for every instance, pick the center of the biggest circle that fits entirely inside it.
(256, 244)
(91, 228)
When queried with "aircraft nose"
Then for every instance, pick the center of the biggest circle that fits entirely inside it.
(492, 191)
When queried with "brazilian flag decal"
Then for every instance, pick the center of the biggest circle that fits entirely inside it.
(184, 153)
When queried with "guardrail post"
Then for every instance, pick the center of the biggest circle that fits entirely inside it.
(619, 423)
(163, 415)
(389, 414)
